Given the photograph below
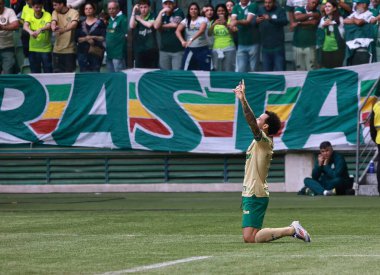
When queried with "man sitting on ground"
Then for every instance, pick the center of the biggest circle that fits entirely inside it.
(330, 174)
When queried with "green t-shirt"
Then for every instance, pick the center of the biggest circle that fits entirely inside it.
(115, 37)
(42, 43)
(169, 41)
(26, 12)
(330, 44)
(144, 38)
(222, 37)
(305, 36)
(247, 35)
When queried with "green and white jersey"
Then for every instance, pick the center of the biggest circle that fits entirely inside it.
(258, 159)
(115, 36)
(144, 38)
(247, 35)
(42, 43)
(169, 41)
(305, 36)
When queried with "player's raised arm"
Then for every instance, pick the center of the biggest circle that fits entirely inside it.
(248, 113)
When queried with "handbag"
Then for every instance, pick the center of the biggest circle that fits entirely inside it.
(95, 50)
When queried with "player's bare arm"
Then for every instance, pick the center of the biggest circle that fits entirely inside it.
(248, 113)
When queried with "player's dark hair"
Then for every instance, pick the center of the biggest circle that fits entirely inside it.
(223, 6)
(325, 145)
(188, 17)
(273, 122)
(60, 2)
(37, 2)
(144, 2)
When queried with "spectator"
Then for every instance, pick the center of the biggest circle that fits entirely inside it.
(330, 172)
(330, 37)
(272, 20)
(64, 22)
(230, 5)
(38, 27)
(144, 36)
(224, 51)
(75, 4)
(208, 12)
(291, 5)
(27, 11)
(9, 23)
(360, 34)
(171, 50)
(375, 135)
(197, 53)
(304, 39)
(344, 7)
(247, 55)
(90, 38)
(115, 38)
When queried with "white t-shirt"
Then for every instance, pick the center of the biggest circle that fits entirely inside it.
(296, 3)
(6, 37)
(366, 16)
(194, 27)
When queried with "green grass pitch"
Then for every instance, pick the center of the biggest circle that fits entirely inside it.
(99, 233)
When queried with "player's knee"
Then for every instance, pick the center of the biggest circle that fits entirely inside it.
(249, 238)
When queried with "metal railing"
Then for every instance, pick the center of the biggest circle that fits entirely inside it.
(366, 151)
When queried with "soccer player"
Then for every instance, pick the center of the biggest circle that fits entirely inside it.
(255, 195)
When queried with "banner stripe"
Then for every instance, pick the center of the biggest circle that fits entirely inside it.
(217, 129)
(211, 112)
(54, 110)
(45, 126)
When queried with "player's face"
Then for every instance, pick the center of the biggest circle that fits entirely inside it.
(209, 12)
(261, 120)
(144, 9)
(230, 6)
(168, 4)
(329, 9)
(327, 152)
(268, 4)
(58, 7)
(37, 8)
(194, 12)
(89, 10)
(113, 9)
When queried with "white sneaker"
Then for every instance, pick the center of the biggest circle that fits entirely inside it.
(301, 233)
(329, 192)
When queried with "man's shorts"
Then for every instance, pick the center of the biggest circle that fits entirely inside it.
(254, 211)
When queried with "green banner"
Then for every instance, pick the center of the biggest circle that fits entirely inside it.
(185, 111)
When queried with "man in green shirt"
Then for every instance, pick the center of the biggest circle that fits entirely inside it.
(171, 50)
(330, 172)
(255, 195)
(115, 38)
(248, 52)
(305, 32)
(145, 47)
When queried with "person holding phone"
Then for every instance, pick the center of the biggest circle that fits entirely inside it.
(223, 49)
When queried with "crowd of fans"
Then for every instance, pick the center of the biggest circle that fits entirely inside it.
(58, 35)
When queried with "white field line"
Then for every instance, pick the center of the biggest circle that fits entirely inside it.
(159, 265)
(304, 256)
